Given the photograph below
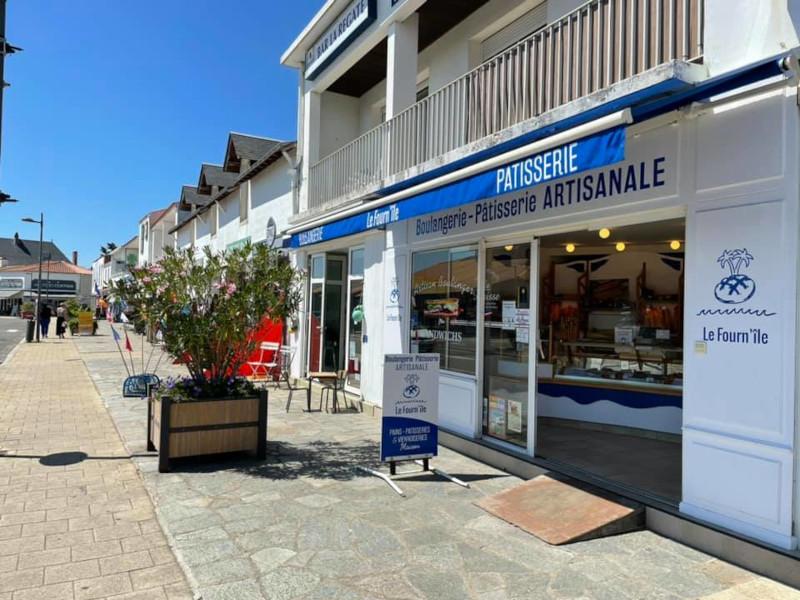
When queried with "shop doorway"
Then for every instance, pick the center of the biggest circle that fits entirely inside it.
(326, 312)
(336, 314)
(506, 343)
(610, 354)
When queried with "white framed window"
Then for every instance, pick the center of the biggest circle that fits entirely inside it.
(444, 284)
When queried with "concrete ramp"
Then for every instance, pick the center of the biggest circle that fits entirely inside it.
(562, 511)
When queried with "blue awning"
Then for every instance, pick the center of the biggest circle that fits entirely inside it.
(644, 104)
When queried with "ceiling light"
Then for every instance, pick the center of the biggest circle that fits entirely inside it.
(604, 233)
(508, 248)
(570, 248)
(620, 246)
(675, 245)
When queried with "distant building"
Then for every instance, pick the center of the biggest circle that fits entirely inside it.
(155, 233)
(249, 198)
(16, 251)
(61, 281)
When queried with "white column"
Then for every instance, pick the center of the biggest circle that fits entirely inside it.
(401, 65)
(311, 139)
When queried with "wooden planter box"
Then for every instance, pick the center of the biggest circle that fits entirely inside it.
(205, 427)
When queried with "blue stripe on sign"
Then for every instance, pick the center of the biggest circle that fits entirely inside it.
(592, 152)
(627, 398)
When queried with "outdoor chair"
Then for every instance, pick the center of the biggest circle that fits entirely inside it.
(286, 356)
(299, 385)
(267, 359)
(336, 387)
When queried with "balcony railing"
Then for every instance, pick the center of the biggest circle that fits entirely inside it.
(593, 47)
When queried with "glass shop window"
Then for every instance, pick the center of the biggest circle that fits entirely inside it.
(444, 287)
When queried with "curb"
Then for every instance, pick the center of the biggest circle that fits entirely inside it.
(11, 354)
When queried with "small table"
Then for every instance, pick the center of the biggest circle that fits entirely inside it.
(323, 377)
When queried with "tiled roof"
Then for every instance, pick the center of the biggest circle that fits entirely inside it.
(214, 175)
(27, 251)
(250, 146)
(55, 266)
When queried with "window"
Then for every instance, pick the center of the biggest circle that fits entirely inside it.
(444, 306)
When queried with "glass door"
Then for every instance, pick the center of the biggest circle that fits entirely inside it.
(507, 343)
(333, 312)
(326, 312)
(317, 281)
(355, 318)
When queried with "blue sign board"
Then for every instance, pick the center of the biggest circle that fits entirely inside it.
(589, 153)
(409, 427)
(354, 19)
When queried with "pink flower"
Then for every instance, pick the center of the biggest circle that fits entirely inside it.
(146, 280)
(230, 290)
(156, 269)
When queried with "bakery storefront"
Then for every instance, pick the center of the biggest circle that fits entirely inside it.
(617, 301)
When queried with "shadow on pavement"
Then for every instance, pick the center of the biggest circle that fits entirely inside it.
(318, 459)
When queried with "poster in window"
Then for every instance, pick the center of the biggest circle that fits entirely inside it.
(497, 416)
(442, 307)
(509, 308)
(514, 416)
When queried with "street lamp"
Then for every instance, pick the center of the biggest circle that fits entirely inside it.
(6, 198)
(38, 281)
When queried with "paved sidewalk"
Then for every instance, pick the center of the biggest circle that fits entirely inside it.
(76, 520)
(304, 524)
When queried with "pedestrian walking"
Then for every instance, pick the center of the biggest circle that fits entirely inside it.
(44, 319)
(61, 315)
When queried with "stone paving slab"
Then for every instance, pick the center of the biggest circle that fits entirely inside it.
(305, 524)
(76, 520)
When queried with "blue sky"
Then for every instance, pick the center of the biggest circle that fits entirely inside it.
(113, 105)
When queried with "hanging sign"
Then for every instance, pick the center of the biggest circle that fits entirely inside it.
(409, 427)
(354, 19)
(513, 180)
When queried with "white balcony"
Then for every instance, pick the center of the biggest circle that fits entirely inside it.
(598, 45)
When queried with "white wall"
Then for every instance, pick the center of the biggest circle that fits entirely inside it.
(374, 304)
(339, 121)
(230, 228)
(270, 196)
(184, 236)
(738, 32)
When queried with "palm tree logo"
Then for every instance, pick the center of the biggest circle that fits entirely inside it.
(736, 287)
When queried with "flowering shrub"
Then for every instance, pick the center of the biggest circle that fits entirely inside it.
(208, 308)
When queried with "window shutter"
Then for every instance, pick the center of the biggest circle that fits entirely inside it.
(512, 33)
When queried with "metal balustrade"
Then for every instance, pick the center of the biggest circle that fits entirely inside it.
(597, 45)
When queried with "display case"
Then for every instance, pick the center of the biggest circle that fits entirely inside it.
(610, 333)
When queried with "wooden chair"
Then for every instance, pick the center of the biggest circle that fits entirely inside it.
(267, 359)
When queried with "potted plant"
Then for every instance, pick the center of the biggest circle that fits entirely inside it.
(73, 309)
(28, 308)
(208, 308)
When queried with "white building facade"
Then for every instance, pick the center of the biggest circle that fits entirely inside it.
(252, 202)
(155, 234)
(590, 211)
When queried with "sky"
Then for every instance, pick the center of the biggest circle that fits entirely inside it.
(114, 104)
